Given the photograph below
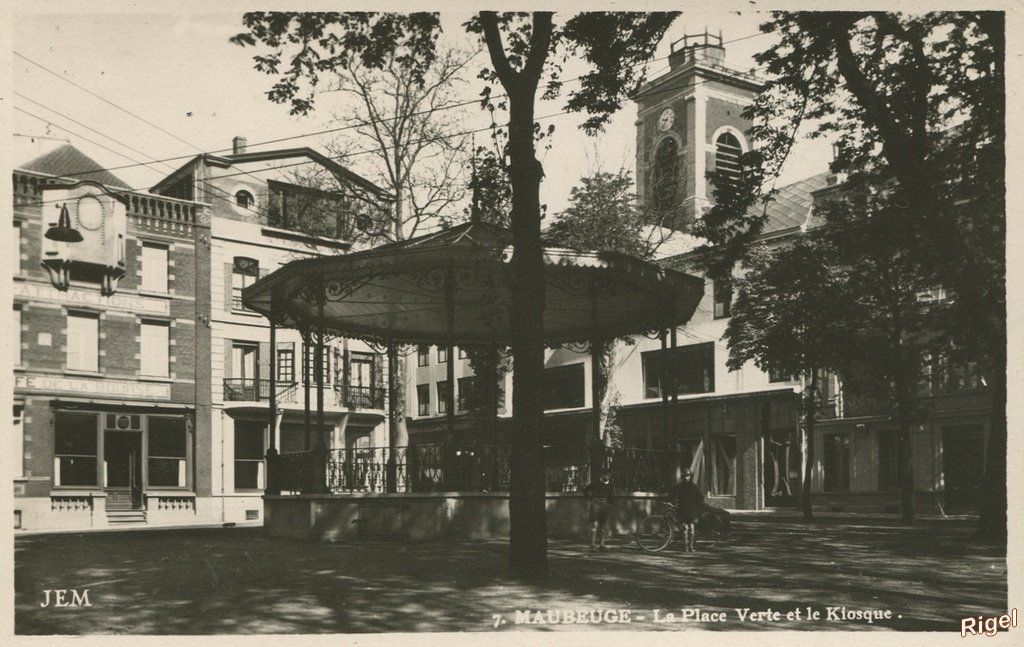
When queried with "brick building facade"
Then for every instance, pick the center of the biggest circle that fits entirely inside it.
(139, 392)
(109, 359)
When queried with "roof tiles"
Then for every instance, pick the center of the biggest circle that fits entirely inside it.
(69, 162)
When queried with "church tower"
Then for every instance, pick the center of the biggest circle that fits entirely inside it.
(690, 122)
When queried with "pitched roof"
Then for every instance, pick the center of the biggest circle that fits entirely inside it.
(790, 209)
(791, 206)
(69, 162)
(226, 161)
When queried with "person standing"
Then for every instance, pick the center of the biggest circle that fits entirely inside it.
(689, 502)
(599, 501)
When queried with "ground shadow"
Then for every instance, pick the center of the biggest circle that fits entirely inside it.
(213, 581)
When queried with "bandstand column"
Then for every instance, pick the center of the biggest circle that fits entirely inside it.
(449, 396)
(598, 445)
(272, 486)
(319, 448)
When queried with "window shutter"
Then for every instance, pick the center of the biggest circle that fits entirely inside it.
(265, 362)
(227, 359)
(155, 338)
(346, 366)
(228, 271)
(82, 342)
(378, 372)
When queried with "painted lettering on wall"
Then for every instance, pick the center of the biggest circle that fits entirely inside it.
(126, 302)
(86, 386)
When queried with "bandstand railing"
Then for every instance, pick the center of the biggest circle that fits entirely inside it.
(441, 468)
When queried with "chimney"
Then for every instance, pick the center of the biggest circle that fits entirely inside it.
(238, 145)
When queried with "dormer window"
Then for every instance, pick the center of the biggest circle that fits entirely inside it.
(244, 199)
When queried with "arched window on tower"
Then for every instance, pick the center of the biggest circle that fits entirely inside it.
(727, 155)
(665, 178)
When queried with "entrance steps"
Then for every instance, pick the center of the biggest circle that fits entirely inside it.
(126, 517)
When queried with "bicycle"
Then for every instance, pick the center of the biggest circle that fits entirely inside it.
(655, 532)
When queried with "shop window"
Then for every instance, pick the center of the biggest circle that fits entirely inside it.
(422, 355)
(244, 272)
(888, 460)
(249, 452)
(19, 441)
(465, 392)
(17, 337)
(16, 245)
(423, 399)
(154, 267)
(442, 396)
(83, 341)
(691, 368)
(309, 364)
(723, 298)
(244, 360)
(775, 375)
(361, 371)
(564, 387)
(837, 463)
(167, 451)
(722, 465)
(310, 210)
(75, 448)
(950, 370)
(155, 352)
(286, 363)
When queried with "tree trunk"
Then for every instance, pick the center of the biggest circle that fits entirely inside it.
(905, 460)
(992, 518)
(904, 407)
(528, 523)
(399, 433)
(905, 448)
(527, 520)
(807, 445)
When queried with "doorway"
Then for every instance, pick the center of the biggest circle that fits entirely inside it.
(122, 459)
(781, 474)
(963, 466)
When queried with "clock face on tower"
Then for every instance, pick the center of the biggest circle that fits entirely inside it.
(666, 119)
(90, 213)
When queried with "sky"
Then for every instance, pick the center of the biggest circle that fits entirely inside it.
(128, 87)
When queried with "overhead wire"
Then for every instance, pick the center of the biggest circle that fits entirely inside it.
(380, 149)
(348, 126)
(224, 194)
(115, 105)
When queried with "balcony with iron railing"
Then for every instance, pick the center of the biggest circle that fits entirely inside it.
(292, 393)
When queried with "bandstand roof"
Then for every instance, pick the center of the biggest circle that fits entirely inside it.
(453, 286)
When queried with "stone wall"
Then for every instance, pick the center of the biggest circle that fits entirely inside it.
(436, 516)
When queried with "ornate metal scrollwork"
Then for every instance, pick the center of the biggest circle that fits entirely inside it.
(572, 283)
(434, 279)
(577, 346)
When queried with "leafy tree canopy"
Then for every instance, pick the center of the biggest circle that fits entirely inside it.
(601, 215)
(916, 105)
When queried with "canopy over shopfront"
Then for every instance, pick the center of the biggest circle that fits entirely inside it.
(453, 286)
